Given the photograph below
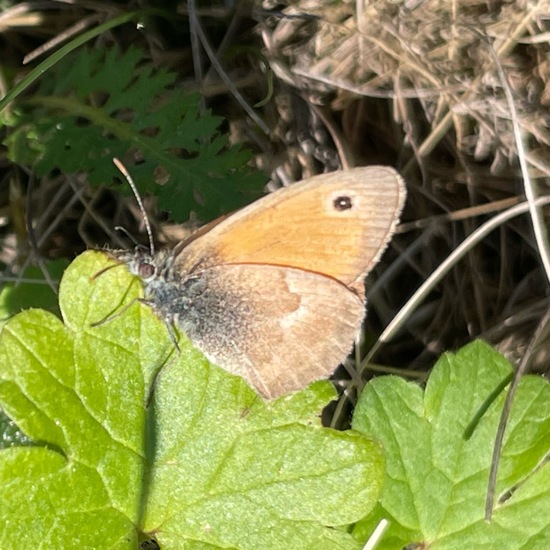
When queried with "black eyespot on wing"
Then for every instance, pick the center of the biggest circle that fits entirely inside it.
(342, 202)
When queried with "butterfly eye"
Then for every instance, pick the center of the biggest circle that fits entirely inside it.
(146, 270)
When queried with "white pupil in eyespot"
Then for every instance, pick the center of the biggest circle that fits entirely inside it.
(342, 203)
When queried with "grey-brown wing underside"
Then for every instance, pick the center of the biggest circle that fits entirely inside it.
(279, 328)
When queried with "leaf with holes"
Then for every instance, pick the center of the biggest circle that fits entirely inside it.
(99, 103)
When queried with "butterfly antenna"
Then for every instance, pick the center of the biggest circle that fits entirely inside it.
(132, 185)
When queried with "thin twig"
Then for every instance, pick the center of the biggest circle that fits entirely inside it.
(195, 24)
(497, 449)
(539, 227)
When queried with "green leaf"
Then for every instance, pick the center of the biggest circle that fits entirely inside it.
(205, 464)
(438, 467)
(32, 291)
(99, 104)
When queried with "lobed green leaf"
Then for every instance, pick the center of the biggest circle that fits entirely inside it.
(202, 463)
(439, 445)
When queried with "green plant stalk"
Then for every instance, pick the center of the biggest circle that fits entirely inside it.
(68, 48)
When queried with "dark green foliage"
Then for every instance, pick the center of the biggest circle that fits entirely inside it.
(97, 104)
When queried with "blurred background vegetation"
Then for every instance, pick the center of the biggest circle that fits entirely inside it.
(210, 105)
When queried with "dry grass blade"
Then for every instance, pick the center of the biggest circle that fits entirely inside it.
(437, 275)
(542, 328)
